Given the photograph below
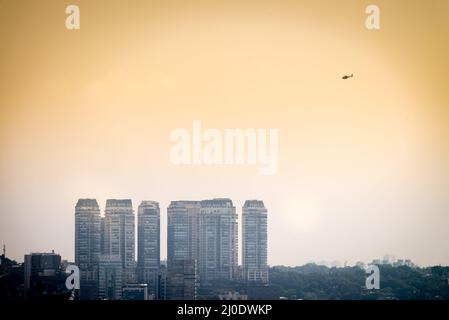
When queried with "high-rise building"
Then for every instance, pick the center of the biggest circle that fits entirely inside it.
(182, 230)
(254, 241)
(161, 293)
(205, 231)
(110, 277)
(87, 246)
(44, 277)
(182, 280)
(148, 244)
(103, 236)
(135, 291)
(119, 235)
(218, 240)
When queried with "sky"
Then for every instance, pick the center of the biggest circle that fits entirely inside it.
(363, 162)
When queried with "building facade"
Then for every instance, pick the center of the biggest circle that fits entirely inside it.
(119, 235)
(218, 229)
(148, 244)
(207, 232)
(161, 293)
(44, 277)
(182, 280)
(182, 230)
(87, 246)
(110, 277)
(254, 241)
(135, 291)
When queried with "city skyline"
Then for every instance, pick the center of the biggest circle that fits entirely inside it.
(202, 247)
(332, 261)
(44, 277)
(141, 234)
(362, 167)
(92, 205)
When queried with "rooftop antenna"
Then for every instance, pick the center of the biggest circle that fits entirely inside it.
(4, 250)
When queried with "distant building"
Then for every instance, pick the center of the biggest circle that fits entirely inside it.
(400, 262)
(205, 231)
(389, 259)
(182, 230)
(239, 274)
(110, 278)
(44, 277)
(119, 225)
(218, 230)
(161, 293)
(137, 291)
(335, 264)
(409, 263)
(103, 236)
(182, 280)
(232, 295)
(87, 246)
(65, 264)
(148, 244)
(254, 241)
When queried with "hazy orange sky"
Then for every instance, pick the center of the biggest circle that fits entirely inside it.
(364, 162)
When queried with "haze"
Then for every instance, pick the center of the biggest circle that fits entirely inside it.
(363, 162)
